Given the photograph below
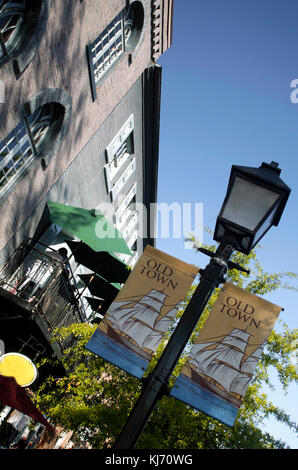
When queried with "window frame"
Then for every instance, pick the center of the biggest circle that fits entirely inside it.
(10, 157)
(131, 22)
(43, 151)
(118, 153)
(30, 32)
(12, 9)
(124, 204)
(95, 64)
(27, 128)
(121, 182)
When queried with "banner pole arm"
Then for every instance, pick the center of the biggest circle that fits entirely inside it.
(157, 383)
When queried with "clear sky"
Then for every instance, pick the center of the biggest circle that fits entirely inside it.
(226, 99)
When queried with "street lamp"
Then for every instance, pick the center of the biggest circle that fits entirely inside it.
(254, 202)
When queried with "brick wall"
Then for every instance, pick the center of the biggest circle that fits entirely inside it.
(61, 62)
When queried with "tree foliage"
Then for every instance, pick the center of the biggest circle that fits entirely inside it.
(94, 397)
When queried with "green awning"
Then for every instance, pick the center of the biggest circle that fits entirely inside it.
(90, 227)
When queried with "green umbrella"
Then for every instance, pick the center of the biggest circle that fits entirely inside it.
(89, 226)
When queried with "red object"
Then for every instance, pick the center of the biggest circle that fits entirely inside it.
(13, 395)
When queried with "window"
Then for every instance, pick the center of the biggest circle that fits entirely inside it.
(22, 24)
(129, 222)
(11, 18)
(25, 142)
(120, 183)
(107, 48)
(122, 142)
(119, 151)
(129, 200)
(126, 220)
(132, 243)
(120, 35)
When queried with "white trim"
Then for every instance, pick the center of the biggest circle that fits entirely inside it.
(133, 260)
(124, 204)
(131, 224)
(117, 187)
(128, 213)
(132, 239)
(121, 137)
(111, 169)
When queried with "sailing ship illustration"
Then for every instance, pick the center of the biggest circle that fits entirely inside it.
(224, 364)
(141, 319)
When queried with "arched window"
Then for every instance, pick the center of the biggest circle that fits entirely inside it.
(134, 21)
(11, 19)
(27, 141)
(22, 23)
(122, 34)
(39, 124)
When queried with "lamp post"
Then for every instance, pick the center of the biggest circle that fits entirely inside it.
(255, 200)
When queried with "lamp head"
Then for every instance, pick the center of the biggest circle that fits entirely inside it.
(254, 202)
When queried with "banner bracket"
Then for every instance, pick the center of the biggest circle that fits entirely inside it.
(229, 264)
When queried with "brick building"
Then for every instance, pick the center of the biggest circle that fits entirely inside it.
(79, 126)
(80, 93)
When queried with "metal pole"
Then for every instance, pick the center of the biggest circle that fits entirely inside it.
(156, 384)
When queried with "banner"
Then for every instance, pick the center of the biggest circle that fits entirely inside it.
(222, 362)
(142, 312)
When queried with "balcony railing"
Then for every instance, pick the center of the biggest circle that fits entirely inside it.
(42, 280)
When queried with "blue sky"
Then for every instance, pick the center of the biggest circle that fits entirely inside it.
(226, 92)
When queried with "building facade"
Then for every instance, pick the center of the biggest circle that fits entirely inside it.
(79, 126)
(80, 93)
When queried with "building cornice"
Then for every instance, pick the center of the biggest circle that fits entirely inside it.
(161, 27)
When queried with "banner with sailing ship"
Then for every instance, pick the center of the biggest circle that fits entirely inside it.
(142, 312)
(222, 362)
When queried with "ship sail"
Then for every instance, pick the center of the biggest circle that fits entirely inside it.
(237, 338)
(148, 308)
(153, 340)
(222, 361)
(250, 363)
(137, 331)
(139, 319)
(117, 314)
(164, 323)
(201, 357)
(240, 384)
(223, 374)
(230, 356)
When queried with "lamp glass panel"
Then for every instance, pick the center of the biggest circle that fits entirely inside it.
(266, 224)
(248, 203)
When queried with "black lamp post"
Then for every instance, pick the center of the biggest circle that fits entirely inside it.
(255, 200)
